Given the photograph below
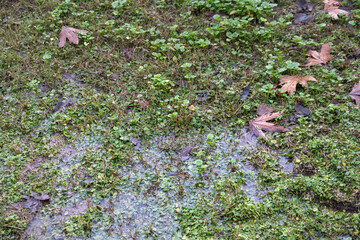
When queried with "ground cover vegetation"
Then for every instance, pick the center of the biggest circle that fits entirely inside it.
(127, 118)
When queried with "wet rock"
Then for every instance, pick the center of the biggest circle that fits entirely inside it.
(245, 93)
(62, 103)
(303, 6)
(303, 18)
(301, 110)
(80, 208)
(303, 12)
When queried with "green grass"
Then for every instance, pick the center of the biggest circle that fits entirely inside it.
(137, 73)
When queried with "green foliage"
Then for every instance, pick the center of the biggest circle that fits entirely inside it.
(159, 82)
(150, 79)
(255, 9)
(119, 6)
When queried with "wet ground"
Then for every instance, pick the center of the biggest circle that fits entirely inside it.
(162, 179)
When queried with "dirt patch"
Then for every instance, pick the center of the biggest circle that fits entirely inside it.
(306, 169)
(350, 204)
(30, 167)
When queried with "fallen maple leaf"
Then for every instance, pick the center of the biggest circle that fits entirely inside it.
(355, 94)
(263, 108)
(69, 33)
(290, 82)
(256, 126)
(319, 58)
(332, 8)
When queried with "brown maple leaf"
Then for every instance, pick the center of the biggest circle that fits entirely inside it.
(290, 82)
(319, 58)
(257, 125)
(332, 8)
(69, 33)
(355, 94)
(263, 108)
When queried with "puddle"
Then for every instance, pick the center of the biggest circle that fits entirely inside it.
(47, 223)
(287, 167)
(43, 226)
(195, 170)
(164, 176)
(138, 217)
(71, 154)
(347, 237)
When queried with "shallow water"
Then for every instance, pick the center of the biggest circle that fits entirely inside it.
(162, 179)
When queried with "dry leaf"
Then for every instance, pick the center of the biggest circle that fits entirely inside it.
(263, 108)
(290, 82)
(319, 58)
(355, 94)
(69, 33)
(256, 126)
(332, 7)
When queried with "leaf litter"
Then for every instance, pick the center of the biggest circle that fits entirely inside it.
(290, 82)
(263, 108)
(261, 123)
(70, 34)
(317, 58)
(332, 7)
(355, 94)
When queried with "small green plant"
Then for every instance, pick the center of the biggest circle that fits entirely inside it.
(200, 166)
(250, 8)
(118, 6)
(211, 139)
(160, 82)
